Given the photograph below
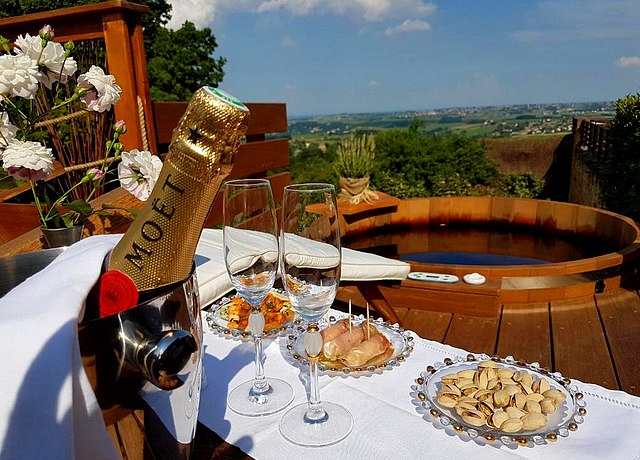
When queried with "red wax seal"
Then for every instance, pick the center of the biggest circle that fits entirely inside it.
(118, 292)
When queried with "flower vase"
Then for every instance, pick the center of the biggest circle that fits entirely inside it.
(58, 237)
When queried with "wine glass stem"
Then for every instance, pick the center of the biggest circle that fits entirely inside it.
(315, 412)
(314, 392)
(260, 384)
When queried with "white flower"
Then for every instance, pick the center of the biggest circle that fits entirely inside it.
(138, 172)
(18, 76)
(52, 57)
(7, 130)
(27, 160)
(102, 89)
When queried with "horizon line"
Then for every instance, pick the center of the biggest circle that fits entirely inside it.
(445, 108)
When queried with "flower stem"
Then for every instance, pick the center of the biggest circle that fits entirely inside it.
(43, 220)
(62, 198)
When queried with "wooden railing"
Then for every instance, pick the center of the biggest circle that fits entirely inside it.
(118, 23)
(590, 134)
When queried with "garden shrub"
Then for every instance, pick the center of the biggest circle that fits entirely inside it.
(423, 161)
(522, 185)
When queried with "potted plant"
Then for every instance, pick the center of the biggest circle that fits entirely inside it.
(354, 163)
(37, 85)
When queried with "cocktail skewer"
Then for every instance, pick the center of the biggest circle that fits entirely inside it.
(349, 315)
(368, 325)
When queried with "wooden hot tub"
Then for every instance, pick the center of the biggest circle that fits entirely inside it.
(523, 283)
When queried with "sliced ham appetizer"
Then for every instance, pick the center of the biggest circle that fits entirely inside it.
(367, 350)
(335, 330)
(345, 341)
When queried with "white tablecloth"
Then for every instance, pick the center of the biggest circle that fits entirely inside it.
(387, 424)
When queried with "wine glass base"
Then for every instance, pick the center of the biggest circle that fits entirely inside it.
(333, 429)
(240, 401)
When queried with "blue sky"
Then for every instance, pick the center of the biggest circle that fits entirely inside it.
(352, 56)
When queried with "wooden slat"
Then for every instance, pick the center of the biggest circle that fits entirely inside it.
(7, 194)
(16, 219)
(142, 86)
(111, 429)
(372, 295)
(432, 325)
(461, 298)
(166, 116)
(401, 312)
(620, 314)
(255, 158)
(116, 32)
(278, 182)
(265, 118)
(65, 21)
(579, 345)
(524, 333)
(131, 435)
(473, 333)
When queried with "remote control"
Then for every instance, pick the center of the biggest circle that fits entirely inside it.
(433, 277)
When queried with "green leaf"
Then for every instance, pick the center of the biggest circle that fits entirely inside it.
(81, 207)
(69, 220)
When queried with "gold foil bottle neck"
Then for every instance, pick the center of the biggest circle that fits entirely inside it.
(210, 130)
(159, 246)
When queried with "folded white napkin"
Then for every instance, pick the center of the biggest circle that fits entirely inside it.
(307, 253)
(47, 407)
(248, 247)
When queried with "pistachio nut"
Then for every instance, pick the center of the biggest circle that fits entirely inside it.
(511, 425)
(534, 421)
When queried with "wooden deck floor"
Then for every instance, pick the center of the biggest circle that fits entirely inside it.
(594, 339)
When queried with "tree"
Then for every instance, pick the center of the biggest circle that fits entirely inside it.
(406, 158)
(178, 62)
(621, 172)
(311, 163)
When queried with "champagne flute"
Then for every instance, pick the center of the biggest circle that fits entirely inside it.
(251, 257)
(310, 265)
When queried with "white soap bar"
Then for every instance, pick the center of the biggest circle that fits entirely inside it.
(474, 278)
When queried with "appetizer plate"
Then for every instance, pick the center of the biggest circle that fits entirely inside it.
(400, 339)
(567, 417)
(217, 322)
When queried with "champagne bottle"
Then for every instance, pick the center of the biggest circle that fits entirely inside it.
(159, 246)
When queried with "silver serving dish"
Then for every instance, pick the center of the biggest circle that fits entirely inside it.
(565, 419)
(401, 341)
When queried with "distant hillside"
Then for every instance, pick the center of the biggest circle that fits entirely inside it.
(476, 122)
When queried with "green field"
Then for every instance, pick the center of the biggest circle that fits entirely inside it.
(498, 121)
